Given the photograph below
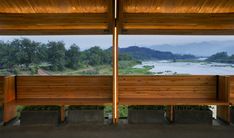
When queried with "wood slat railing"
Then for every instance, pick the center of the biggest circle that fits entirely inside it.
(133, 90)
(169, 90)
(65, 90)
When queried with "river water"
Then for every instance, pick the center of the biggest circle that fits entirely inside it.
(164, 67)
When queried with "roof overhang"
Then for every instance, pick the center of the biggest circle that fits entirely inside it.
(79, 17)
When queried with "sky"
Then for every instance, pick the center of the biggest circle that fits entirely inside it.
(105, 41)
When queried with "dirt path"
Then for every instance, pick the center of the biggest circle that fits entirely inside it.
(42, 72)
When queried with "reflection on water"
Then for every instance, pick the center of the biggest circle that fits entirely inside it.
(164, 67)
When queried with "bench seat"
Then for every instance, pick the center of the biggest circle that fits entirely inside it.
(64, 101)
(170, 101)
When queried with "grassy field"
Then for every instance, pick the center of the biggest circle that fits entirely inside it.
(125, 68)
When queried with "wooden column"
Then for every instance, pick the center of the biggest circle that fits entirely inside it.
(62, 113)
(115, 76)
(223, 94)
(223, 113)
(9, 107)
(115, 65)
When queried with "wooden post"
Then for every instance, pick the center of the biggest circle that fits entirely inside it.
(115, 65)
(223, 113)
(223, 94)
(9, 107)
(62, 113)
(115, 76)
(9, 112)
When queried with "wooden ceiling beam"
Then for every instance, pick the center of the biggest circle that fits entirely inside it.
(178, 32)
(54, 23)
(178, 23)
(54, 32)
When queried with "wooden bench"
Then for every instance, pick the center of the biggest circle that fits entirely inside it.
(97, 90)
(172, 90)
(63, 90)
(7, 96)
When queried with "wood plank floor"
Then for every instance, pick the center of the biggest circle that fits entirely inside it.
(123, 131)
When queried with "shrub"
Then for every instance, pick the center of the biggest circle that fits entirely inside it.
(41, 108)
(192, 108)
(86, 107)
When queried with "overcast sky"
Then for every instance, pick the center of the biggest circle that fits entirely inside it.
(105, 41)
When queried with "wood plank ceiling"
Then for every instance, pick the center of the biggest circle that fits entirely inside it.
(57, 17)
(176, 17)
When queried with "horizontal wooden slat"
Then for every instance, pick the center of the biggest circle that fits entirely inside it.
(64, 101)
(54, 23)
(53, 32)
(177, 23)
(54, 6)
(192, 19)
(177, 6)
(168, 88)
(178, 32)
(62, 87)
(177, 17)
(170, 101)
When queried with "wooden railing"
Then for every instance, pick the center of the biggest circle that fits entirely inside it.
(169, 90)
(132, 90)
(65, 90)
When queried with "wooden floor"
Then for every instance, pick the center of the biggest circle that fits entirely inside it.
(123, 131)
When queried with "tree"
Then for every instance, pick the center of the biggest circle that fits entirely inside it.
(3, 54)
(94, 56)
(72, 57)
(56, 55)
(218, 57)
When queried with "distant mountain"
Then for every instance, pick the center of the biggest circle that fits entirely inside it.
(142, 53)
(198, 49)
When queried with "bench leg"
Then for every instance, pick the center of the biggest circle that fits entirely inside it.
(9, 112)
(223, 113)
(62, 113)
(170, 114)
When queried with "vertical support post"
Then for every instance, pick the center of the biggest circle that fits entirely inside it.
(115, 66)
(62, 113)
(223, 94)
(9, 112)
(9, 107)
(115, 76)
(223, 113)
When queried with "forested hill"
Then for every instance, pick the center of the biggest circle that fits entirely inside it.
(142, 53)
(221, 57)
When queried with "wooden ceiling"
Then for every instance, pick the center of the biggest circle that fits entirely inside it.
(182, 17)
(56, 17)
(53, 6)
(41, 17)
(178, 6)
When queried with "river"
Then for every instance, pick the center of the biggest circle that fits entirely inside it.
(164, 67)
